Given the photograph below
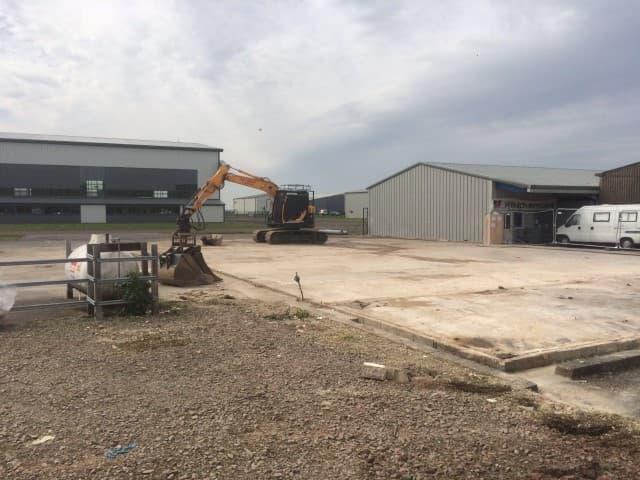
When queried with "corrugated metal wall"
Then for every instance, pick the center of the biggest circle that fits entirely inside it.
(431, 204)
(621, 185)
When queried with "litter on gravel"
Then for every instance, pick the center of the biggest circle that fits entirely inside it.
(114, 452)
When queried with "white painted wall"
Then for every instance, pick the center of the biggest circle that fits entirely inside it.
(213, 213)
(251, 205)
(354, 203)
(93, 214)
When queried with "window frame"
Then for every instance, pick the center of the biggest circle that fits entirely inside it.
(630, 213)
(577, 216)
(595, 214)
(22, 192)
(94, 187)
(161, 194)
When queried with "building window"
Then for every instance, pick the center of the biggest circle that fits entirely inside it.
(507, 221)
(94, 188)
(601, 217)
(629, 216)
(160, 194)
(21, 192)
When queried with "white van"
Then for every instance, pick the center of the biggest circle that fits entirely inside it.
(607, 224)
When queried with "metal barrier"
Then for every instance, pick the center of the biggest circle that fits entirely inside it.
(94, 294)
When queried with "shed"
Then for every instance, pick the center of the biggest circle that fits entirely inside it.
(454, 202)
(621, 184)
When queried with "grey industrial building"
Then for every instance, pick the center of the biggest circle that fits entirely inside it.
(252, 204)
(477, 203)
(330, 203)
(49, 179)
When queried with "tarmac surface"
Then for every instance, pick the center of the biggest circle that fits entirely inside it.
(493, 305)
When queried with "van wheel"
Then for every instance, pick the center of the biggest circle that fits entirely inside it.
(562, 239)
(626, 243)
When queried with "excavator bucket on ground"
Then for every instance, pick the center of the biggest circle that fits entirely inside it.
(184, 266)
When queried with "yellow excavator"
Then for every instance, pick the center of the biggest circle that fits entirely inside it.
(290, 220)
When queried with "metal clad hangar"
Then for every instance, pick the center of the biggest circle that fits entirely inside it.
(50, 178)
(477, 203)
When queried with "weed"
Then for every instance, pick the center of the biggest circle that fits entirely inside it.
(289, 314)
(137, 293)
(301, 314)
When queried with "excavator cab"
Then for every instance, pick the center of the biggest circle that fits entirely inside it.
(291, 208)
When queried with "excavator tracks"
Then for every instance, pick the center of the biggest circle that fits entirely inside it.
(276, 236)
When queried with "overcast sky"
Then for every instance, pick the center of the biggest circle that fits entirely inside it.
(336, 94)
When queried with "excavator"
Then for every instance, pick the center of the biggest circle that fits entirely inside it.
(290, 220)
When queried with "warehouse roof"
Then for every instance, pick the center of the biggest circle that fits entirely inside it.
(533, 179)
(97, 141)
(635, 164)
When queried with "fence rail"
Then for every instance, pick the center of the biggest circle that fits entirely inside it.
(94, 280)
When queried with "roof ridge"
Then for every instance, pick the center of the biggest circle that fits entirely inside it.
(512, 166)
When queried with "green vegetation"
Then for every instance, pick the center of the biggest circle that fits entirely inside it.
(137, 292)
(10, 237)
(289, 314)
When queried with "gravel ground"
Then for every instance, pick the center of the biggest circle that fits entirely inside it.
(216, 387)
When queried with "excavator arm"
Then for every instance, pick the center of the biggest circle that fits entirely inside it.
(226, 173)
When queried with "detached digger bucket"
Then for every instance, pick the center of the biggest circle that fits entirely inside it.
(185, 267)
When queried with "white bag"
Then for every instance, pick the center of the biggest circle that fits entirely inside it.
(7, 298)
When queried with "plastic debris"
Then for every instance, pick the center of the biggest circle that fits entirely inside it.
(43, 439)
(114, 452)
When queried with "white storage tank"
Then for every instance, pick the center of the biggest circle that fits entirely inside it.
(78, 270)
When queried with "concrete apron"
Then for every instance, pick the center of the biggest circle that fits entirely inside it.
(541, 358)
(464, 299)
(516, 363)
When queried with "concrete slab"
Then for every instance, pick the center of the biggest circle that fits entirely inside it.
(507, 307)
(602, 364)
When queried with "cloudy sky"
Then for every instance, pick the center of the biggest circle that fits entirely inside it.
(337, 94)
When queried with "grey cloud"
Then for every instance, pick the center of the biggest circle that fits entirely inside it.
(598, 63)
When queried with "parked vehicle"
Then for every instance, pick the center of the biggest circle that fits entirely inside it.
(604, 224)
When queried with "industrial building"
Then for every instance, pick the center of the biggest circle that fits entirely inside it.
(60, 179)
(620, 185)
(333, 204)
(356, 204)
(251, 205)
(477, 203)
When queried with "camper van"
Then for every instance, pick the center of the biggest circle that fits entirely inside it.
(605, 224)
